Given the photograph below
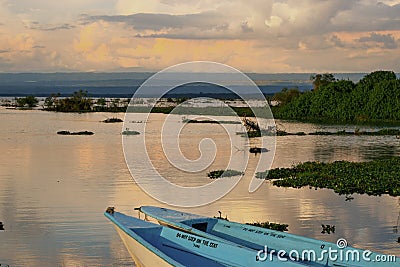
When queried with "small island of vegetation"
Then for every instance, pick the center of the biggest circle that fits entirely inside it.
(75, 133)
(26, 102)
(223, 173)
(375, 177)
(79, 101)
(270, 225)
(112, 120)
(129, 132)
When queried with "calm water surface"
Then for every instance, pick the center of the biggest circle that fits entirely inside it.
(54, 189)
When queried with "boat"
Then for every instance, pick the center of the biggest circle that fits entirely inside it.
(152, 244)
(306, 250)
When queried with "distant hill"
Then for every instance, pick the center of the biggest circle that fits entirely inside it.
(125, 84)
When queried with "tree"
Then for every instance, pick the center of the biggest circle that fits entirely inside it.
(286, 96)
(29, 101)
(78, 102)
(101, 102)
(375, 97)
(322, 80)
(378, 76)
(115, 103)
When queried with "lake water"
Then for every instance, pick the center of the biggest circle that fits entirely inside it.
(54, 189)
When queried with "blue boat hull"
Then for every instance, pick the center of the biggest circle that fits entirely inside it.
(309, 251)
(154, 245)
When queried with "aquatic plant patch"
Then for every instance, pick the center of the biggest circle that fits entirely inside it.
(270, 225)
(223, 173)
(375, 177)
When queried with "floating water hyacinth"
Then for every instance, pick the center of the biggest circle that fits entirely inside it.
(270, 225)
(375, 177)
(223, 173)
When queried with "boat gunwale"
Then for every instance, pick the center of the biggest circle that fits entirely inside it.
(141, 240)
(188, 217)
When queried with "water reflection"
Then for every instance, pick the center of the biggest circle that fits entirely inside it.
(380, 150)
(355, 148)
(54, 189)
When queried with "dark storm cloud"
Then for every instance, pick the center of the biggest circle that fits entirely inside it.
(387, 40)
(368, 17)
(34, 25)
(298, 19)
(246, 28)
(157, 22)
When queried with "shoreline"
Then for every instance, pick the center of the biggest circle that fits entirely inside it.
(167, 110)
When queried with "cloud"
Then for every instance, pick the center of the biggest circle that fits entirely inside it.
(173, 7)
(368, 16)
(158, 22)
(37, 26)
(336, 41)
(220, 20)
(60, 7)
(257, 35)
(280, 23)
(246, 28)
(386, 40)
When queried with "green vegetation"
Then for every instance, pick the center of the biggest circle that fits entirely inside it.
(386, 131)
(210, 121)
(75, 133)
(223, 173)
(286, 96)
(80, 102)
(357, 132)
(284, 133)
(376, 97)
(257, 150)
(29, 101)
(327, 229)
(270, 225)
(345, 178)
(6, 103)
(322, 80)
(129, 132)
(112, 120)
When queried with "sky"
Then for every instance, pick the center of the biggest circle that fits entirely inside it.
(264, 36)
